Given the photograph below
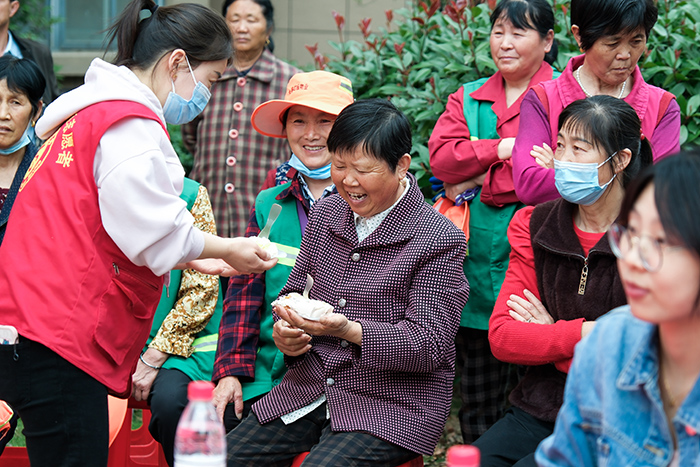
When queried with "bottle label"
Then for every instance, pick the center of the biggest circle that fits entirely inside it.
(200, 460)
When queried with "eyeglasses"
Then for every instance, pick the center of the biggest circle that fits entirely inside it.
(649, 249)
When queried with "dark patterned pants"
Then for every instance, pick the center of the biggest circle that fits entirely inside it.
(484, 385)
(276, 444)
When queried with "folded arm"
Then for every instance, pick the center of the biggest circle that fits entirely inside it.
(517, 341)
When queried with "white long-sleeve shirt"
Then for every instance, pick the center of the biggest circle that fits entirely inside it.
(138, 175)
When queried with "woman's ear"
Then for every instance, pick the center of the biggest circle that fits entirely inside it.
(624, 156)
(548, 41)
(576, 32)
(176, 59)
(36, 116)
(403, 165)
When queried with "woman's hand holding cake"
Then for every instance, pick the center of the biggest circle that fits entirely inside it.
(301, 318)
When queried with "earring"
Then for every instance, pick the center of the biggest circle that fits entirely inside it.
(267, 42)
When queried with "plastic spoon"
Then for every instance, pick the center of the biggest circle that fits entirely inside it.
(309, 284)
(271, 218)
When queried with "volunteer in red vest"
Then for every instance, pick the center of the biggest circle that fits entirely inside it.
(612, 35)
(98, 222)
(470, 150)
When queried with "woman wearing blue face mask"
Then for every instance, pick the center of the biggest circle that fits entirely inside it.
(562, 273)
(21, 88)
(97, 224)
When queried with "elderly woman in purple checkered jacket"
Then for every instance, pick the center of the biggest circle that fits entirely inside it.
(370, 383)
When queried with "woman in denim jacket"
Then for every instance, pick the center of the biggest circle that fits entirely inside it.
(633, 392)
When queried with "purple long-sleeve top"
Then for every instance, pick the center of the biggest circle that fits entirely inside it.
(534, 184)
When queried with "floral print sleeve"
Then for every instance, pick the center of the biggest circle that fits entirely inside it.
(196, 298)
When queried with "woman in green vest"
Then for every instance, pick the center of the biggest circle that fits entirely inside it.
(248, 364)
(470, 150)
(183, 337)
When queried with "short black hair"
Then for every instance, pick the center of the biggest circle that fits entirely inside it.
(676, 181)
(376, 126)
(23, 76)
(612, 125)
(529, 14)
(598, 18)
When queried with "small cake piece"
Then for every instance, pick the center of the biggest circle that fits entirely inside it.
(268, 247)
(304, 307)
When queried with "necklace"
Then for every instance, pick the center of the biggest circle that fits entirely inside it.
(673, 400)
(577, 75)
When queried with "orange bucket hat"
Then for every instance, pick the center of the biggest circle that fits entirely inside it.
(319, 90)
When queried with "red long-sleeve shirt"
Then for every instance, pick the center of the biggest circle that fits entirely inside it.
(455, 158)
(529, 343)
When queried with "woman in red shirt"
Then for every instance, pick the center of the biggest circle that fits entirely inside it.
(562, 274)
(470, 149)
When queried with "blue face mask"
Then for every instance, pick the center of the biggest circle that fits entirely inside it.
(178, 110)
(578, 182)
(321, 173)
(23, 141)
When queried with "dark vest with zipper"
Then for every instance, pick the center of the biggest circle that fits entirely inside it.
(571, 286)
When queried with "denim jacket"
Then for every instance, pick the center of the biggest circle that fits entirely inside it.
(612, 413)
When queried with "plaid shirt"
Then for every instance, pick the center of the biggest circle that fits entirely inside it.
(230, 158)
(243, 305)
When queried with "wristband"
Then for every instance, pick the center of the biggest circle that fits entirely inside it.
(148, 364)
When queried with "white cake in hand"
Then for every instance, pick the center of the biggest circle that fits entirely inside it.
(268, 247)
(304, 307)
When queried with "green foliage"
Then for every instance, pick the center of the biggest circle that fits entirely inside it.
(176, 139)
(673, 61)
(425, 52)
(33, 19)
(417, 60)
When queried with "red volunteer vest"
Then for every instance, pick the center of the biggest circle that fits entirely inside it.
(64, 282)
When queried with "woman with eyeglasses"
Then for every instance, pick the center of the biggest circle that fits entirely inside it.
(633, 393)
(562, 274)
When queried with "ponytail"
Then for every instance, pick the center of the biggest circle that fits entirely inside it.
(202, 34)
(646, 156)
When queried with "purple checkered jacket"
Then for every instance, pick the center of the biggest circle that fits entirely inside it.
(231, 159)
(405, 285)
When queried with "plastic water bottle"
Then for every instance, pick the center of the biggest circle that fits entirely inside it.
(200, 440)
(463, 456)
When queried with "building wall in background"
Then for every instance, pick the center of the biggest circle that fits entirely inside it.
(297, 23)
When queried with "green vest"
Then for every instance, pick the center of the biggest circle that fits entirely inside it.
(489, 250)
(200, 364)
(286, 235)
